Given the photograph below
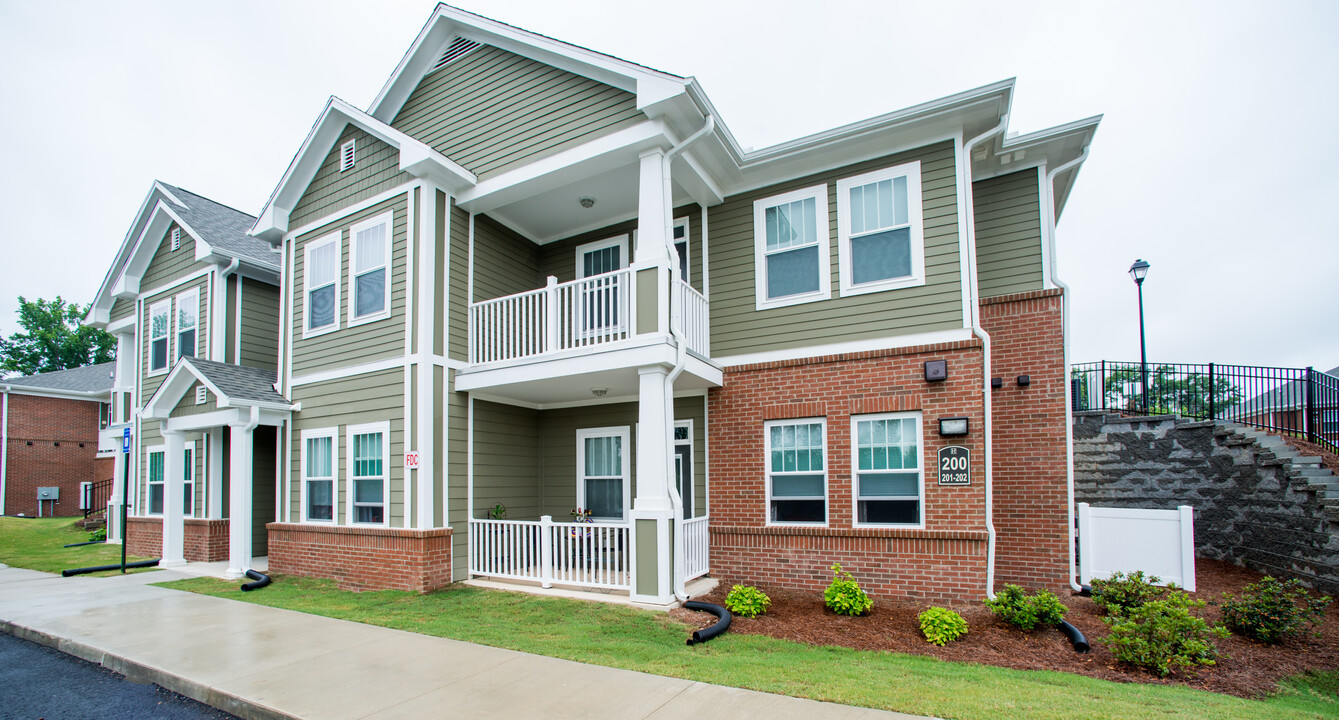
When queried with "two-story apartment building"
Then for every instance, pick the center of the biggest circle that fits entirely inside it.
(542, 318)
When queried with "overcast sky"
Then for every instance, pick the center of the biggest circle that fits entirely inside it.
(1213, 163)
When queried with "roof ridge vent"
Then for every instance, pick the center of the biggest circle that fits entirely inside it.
(458, 48)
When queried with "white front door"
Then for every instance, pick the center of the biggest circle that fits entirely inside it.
(602, 296)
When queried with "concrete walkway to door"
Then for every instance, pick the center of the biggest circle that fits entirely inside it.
(261, 662)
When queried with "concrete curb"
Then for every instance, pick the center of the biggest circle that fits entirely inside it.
(140, 673)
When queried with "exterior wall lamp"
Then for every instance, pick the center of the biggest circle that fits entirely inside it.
(952, 426)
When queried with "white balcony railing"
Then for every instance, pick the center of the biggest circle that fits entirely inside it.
(584, 554)
(560, 316)
(694, 319)
(696, 552)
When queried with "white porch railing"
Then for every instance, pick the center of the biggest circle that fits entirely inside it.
(585, 554)
(695, 319)
(696, 555)
(560, 316)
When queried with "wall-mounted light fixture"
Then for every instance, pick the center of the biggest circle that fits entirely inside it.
(587, 202)
(996, 383)
(952, 426)
(936, 370)
(1024, 380)
(599, 391)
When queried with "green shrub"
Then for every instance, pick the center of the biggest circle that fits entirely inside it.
(844, 595)
(1271, 611)
(1014, 606)
(1121, 593)
(99, 535)
(942, 626)
(747, 601)
(1162, 635)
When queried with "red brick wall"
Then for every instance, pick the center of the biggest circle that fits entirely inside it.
(202, 540)
(144, 536)
(363, 558)
(44, 422)
(1031, 495)
(943, 562)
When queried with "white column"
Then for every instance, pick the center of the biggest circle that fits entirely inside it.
(652, 436)
(239, 510)
(428, 319)
(653, 209)
(174, 528)
(214, 509)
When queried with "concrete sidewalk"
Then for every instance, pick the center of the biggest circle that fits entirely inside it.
(260, 662)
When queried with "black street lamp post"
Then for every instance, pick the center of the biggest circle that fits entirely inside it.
(1137, 271)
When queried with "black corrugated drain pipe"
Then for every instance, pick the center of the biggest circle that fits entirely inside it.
(1076, 638)
(90, 542)
(101, 568)
(260, 581)
(716, 628)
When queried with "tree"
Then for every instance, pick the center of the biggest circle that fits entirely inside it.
(53, 339)
(1169, 391)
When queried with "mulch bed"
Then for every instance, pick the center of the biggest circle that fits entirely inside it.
(1248, 669)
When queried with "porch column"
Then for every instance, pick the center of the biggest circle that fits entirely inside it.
(652, 513)
(214, 506)
(174, 524)
(653, 209)
(239, 506)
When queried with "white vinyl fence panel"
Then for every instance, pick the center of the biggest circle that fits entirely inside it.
(1158, 542)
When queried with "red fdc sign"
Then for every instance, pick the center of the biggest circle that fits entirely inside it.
(411, 460)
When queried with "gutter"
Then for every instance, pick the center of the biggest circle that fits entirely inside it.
(4, 445)
(1064, 336)
(985, 339)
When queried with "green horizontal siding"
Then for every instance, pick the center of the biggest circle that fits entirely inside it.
(504, 262)
(1007, 215)
(368, 398)
(150, 436)
(376, 169)
(737, 327)
(186, 406)
(260, 324)
(493, 110)
(506, 460)
(122, 309)
(169, 265)
(458, 302)
(363, 343)
(457, 476)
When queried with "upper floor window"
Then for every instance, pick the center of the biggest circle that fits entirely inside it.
(321, 266)
(369, 463)
(160, 320)
(791, 247)
(879, 235)
(887, 469)
(796, 471)
(188, 312)
(370, 253)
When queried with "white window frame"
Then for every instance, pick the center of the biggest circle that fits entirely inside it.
(350, 431)
(767, 471)
(692, 457)
(164, 305)
(335, 238)
(332, 433)
(616, 241)
(822, 214)
(352, 296)
(149, 452)
(920, 470)
(188, 479)
(912, 172)
(687, 247)
(191, 296)
(624, 432)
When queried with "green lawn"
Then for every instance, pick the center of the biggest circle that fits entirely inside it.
(38, 544)
(622, 637)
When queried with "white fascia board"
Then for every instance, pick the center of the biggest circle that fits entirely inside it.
(88, 395)
(99, 313)
(173, 389)
(127, 285)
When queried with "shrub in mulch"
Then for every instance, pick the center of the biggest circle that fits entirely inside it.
(1246, 668)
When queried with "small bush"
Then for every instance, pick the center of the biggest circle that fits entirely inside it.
(747, 601)
(1162, 635)
(1271, 611)
(942, 626)
(1121, 593)
(99, 535)
(844, 595)
(1014, 606)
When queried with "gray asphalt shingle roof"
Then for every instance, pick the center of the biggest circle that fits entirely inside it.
(223, 227)
(238, 382)
(90, 378)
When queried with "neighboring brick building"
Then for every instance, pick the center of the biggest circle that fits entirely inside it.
(49, 425)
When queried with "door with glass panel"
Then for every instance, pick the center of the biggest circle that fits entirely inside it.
(601, 293)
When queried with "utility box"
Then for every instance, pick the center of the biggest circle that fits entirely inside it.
(48, 493)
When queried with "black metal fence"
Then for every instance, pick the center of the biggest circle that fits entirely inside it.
(1301, 402)
(96, 496)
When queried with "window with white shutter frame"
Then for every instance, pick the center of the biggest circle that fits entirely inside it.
(369, 270)
(790, 250)
(188, 318)
(320, 308)
(880, 239)
(160, 327)
(347, 155)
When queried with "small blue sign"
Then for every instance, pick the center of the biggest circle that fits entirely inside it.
(125, 441)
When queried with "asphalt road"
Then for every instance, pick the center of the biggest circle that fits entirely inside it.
(39, 683)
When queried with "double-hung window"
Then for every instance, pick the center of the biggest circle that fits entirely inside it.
(318, 475)
(890, 488)
(369, 464)
(369, 260)
(188, 315)
(321, 268)
(797, 480)
(879, 235)
(604, 474)
(160, 326)
(790, 252)
(154, 505)
(188, 481)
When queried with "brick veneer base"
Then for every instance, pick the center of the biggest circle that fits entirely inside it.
(144, 536)
(363, 558)
(202, 540)
(51, 442)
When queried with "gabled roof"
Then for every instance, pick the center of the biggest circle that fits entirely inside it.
(416, 158)
(93, 381)
(220, 235)
(232, 385)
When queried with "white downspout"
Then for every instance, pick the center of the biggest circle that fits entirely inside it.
(4, 447)
(980, 332)
(1064, 344)
(681, 359)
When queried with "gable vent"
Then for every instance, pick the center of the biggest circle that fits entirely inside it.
(176, 238)
(458, 48)
(346, 156)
